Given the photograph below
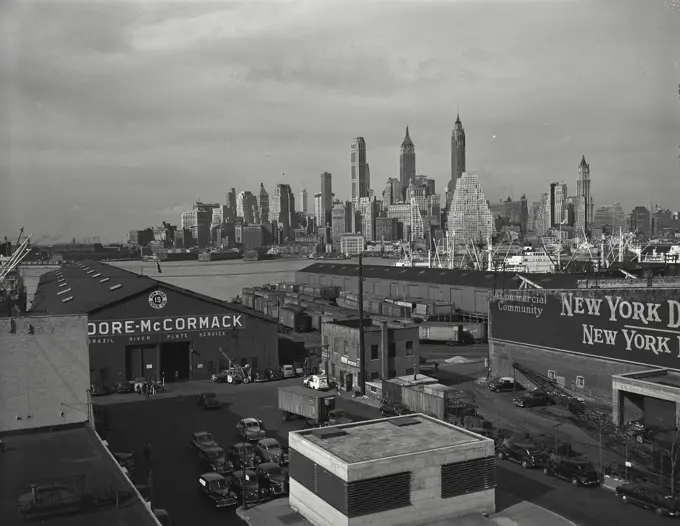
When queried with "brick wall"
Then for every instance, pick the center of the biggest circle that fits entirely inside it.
(597, 374)
(44, 376)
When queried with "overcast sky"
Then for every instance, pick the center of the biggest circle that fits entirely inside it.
(118, 115)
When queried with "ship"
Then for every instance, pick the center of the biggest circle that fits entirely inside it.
(219, 255)
(13, 291)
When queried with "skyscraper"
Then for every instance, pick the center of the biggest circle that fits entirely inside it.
(246, 207)
(231, 199)
(558, 203)
(457, 158)
(470, 219)
(282, 208)
(303, 201)
(359, 171)
(326, 200)
(263, 204)
(407, 163)
(584, 205)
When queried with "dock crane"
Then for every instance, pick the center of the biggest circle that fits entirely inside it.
(233, 366)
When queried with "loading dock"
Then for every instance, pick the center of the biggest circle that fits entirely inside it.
(651, 396)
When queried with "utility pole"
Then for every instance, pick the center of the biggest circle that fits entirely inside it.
(244, 468)
(362, 350)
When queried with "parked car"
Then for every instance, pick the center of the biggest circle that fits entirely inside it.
(208, 401)
(533, 399)
(247, 483)
(202, 440)
(215, 487)
(220, 377)
(243, 454)
(288, 371)
(529, 456)
(125, 387)
(269, 450)
(649, 497)
(338, 416)
(273, 478)
(639, 431)
(260, 377)
(99, 389)
(317, 382)
(251, 429)
(396, 409)
(578, 472)
(215, 459)
(503, 384)
(274, 374)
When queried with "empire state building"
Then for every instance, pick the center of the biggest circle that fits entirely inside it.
(457, 158)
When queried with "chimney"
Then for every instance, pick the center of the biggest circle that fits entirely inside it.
(34, 493)
(384, 351)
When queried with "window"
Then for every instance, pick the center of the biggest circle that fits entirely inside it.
(255, 363)
(211, 366)
(375, 376)
(392, 350)
(344, 348)
(409, 370)
(392, 373)
(580, 382)
(551, 375)
(374, 352)
(409, 348)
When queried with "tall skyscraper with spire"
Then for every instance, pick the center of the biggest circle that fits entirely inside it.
(361, 179)
(263, 204)
(407, 163)
(584, 201)
(457, 158)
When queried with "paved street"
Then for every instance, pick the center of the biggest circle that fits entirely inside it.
(168, 421)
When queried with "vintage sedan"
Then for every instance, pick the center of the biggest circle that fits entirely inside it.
(259, 376)
(215, 487)
(533, 399)
(269, 450)
(527, 455)
(202, 440)
(208, 401)
(503, 385)
(650, 497)
(125, 387)
(274, 374)
(214, 459)
(273, 478)
(578, 472)
(251, 429)
(243, 455)
(397, 409)
(246, 483)
(99, 389)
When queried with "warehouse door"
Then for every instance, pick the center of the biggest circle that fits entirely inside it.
(137, 357)
(659, 413)
(175, 356)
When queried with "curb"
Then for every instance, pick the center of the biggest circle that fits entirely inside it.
(241, 515)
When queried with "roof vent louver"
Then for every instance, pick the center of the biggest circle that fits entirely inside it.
(90, 271)
(96, 275)
(325, 432)
(63, 284)
(104, 280)
(115, 287)
(70, 298)
(63, 291)
(406, 421)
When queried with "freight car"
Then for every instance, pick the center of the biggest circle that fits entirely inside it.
(295, 319)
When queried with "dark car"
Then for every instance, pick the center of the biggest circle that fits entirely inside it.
(649, 497)
(502, 385)
(533, 399)
(639, 431)
(202, 440)
(125, 387)
(247, 483)
(99, 389)
(215, 487)
(260, 377)
(214, 459)
(273, 478)
(208, 401)
(269, 450)
(578, 472)
(274, 374)
(243, 454)
(397, 409)
(529, 456)
(338, 416)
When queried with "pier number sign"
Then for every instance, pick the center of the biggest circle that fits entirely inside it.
(158, 299)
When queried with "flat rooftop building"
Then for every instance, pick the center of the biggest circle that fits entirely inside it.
(411, 470)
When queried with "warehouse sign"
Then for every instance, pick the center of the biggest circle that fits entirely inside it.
(175, 327)
(638, 325)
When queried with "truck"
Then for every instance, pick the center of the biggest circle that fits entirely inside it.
(301, 402)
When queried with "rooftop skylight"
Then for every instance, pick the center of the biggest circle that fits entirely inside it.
(115, 287)
(104, 280)
(63, 284)
(96, 275)
(63, 292)
(70, 298)
(90, 271)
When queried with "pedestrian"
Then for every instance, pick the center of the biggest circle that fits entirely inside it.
(147, 390)
(147, 453)
(176, 376)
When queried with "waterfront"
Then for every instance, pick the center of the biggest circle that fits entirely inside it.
(223, 280)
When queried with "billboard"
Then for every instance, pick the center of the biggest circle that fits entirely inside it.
(639, 326)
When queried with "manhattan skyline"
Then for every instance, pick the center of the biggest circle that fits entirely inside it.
(122, 114)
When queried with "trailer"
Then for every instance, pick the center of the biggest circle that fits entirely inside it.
(302, 402)
(445, 332)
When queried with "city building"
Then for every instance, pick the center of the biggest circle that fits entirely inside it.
(319, 211)
(470, 219)
(140, 237)
(198, 220)
(558, 203)
(417, 224)
(664, 222)
(640, 221)
(457, 159)
(391, 192)
(46, 424)
(303, 201)
(402, 213)
(282, 210)
(257, 236)
(222, 214)
(426, 182)
(512, 213)
(609, 219)
(407, 164)
(263, 204)
(368, 208)
(141, 328)
(231, 200)
(359, 170)
(411, 469)
(387, 229)
(341, 222)
(324, 218)
(352, 244)
(246, 207)
(584, 204)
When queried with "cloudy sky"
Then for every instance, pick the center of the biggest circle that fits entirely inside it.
(117, 115)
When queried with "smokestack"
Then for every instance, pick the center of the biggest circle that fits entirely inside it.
(384, 351)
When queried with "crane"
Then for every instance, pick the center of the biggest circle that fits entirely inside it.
(241, 373)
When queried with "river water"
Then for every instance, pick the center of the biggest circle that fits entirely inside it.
(223, 280)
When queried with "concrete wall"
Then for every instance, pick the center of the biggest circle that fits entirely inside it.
(597, 373)
(45, 373)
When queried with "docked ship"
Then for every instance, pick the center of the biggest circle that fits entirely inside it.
(533, 261)
(219, 255)
(13, 292)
